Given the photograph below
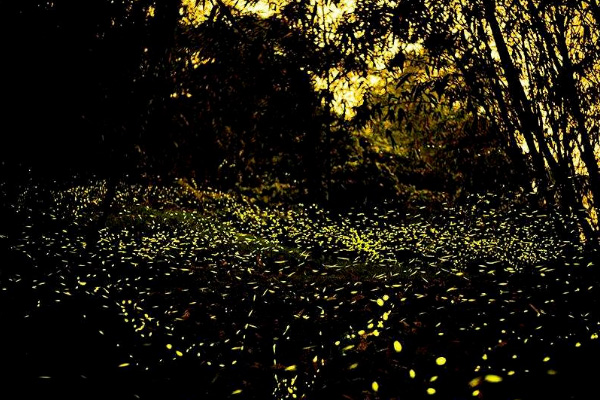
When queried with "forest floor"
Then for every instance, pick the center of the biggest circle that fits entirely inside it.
(189, 294)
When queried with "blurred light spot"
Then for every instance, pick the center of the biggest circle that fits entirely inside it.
(493, 378)
(398, 347)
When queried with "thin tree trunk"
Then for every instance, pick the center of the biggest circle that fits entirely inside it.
(530, 128)
(513, 149)
(532, 131)
(516, 152)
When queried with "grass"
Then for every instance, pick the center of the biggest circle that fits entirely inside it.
(191, 294)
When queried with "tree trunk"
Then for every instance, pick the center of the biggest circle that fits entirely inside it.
(529, 125)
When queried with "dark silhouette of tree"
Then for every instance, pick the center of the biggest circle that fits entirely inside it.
(234, 98)
(246, 111)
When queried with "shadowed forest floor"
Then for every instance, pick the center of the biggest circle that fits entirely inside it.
(186, 294)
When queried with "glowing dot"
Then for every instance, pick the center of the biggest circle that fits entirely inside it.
(412, 373)
(238, 391)
(386, 297)
(493, 378)
(577, 344)
(291, 368)
(475, 393)
(124, 365)
(169, 346)
(474, 382)
(179, 353)
(397, 346)
(375, 386)
(431, 391)
(551, 372)
(440, 360)
(353, 366)
(511, 373)
(484, 357)
(379, 302)
(546, 359)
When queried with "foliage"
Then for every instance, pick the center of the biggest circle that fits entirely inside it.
(269, 120)
(424, 119)
(247, 110)
(211, 89)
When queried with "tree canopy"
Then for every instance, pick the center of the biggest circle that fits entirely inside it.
(334, 100)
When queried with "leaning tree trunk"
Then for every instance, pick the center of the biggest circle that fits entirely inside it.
(530, 128)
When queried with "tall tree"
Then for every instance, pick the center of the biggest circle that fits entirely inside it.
(535, 62)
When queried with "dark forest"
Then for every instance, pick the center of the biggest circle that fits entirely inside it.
(300, 199)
